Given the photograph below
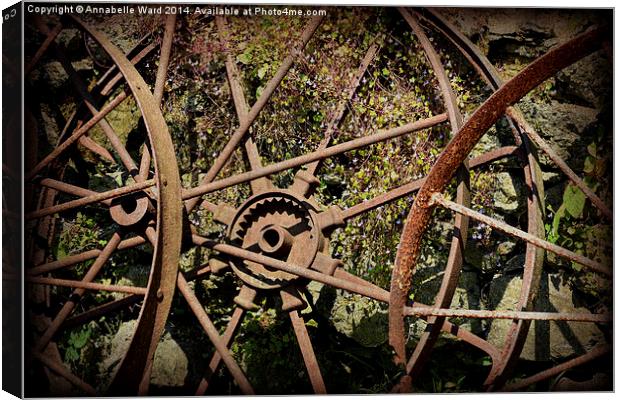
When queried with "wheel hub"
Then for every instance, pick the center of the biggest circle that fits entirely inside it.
(279, 224)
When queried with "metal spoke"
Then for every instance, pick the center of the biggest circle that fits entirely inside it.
(101, 310)
(85, 285)
(213, 335)
(164, 58)
(81, 257)
(541, 376)
(500, 314)
(540, 142)
(62, 370)
(96, 198)
(241, 105)
(70, 189)
(51, 35)
(380, 136)
(336, 117)
(96, 118)
(271, 86)
(512, 231)
(231, 328)
(68, 307)
(305, 345)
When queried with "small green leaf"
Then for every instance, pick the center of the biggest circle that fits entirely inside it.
(592, 149)
(588, 165)
(574, 200)
(244, 58)
(262, 71)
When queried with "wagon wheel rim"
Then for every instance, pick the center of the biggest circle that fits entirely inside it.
(429, 196)
(164, 187)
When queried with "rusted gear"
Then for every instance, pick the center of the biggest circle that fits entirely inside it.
(279, 224)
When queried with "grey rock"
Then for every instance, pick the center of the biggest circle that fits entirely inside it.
(562, 126)
(509, 196)
(546, 340)
(69, 39)
(587, 82)
(55, 74)
(360, 318)
(505, 248)
(170, 365)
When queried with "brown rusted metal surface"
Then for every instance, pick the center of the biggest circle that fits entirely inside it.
(423, 349)
(455, 153)
(517, 333)
(85, 285)
(500, 314)
(310, 157)
(437, 198)
(214, 336)
(516, 115)
(132, 375)
(312, 365)
(551, 372)
(244, 125)
(95, 198)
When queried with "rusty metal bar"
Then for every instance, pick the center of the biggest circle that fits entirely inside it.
(570, 174)
(501, 314)
(307, 158)
(305, 345)
(541, 376)
(493, 155)
(213, 335)
(51, 35)
(512, 231)
(78, 258)
(164, 58)
(62, 370)
(336, 117)
(77, 134)
(241, 105)
(96, 198)
(271, 86)
(231, 328)
(85, 285)
(68, 307)
(70, 189)
(382, 199)
(96, 148)
(134, 60)
(101, 310)
(411, 187)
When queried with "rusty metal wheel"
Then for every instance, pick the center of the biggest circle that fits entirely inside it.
(431, 195)
(142, 211)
